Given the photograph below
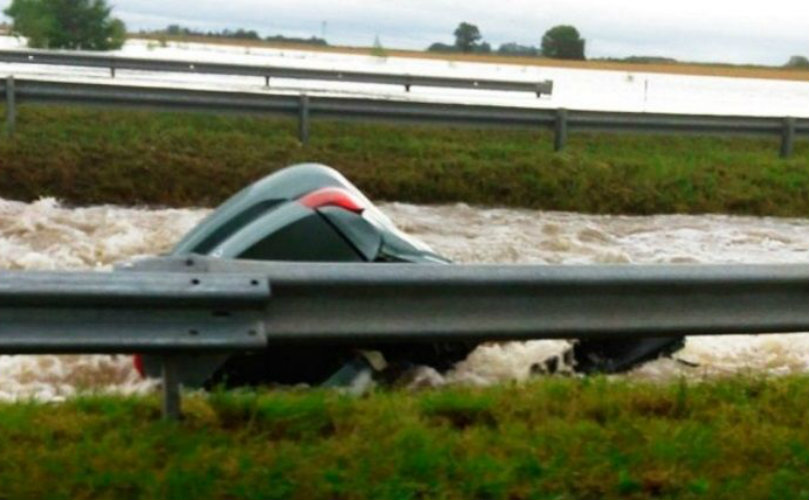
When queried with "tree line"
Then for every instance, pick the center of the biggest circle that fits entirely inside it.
(559, 42)
(237, 34)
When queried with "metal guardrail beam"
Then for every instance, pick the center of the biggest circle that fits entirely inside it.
(310, 107)
(635, 122)
(315, 302)
(175, 307)
(115, 63)
(169, 315)
(42, 288)
(46, 92)
(73, 312)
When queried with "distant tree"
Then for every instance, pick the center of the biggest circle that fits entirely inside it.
(117, 33)
(238, 33)
(176, 30)
(67, 24)
(244, 34)
(563, 42)
(797, 62)
(466, 37)
(649, 60)
(482, 48)
(441, 47)
(378, 50)
(287, 39)
(515, 49)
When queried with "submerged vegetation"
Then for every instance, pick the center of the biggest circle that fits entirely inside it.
(552, 438)
(171, 159)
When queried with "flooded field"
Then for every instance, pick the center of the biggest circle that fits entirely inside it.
(44, 235)
(591, 89)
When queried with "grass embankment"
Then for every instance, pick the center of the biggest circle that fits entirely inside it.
(95, 156)
(554, 438)
(679, 68)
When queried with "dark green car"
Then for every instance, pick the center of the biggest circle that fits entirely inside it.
(311, 212)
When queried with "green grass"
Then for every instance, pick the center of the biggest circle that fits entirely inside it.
(95, 156)
(552, 438)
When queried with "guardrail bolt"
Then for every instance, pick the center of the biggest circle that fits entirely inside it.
(787, 137)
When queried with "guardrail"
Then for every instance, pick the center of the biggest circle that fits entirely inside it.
(176, 307)
(166, 314)
(305, 107)
(115, 63)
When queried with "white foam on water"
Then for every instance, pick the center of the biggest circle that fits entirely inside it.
(468, 234)
(46, 235)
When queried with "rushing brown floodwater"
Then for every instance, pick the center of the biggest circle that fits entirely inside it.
(44, 235)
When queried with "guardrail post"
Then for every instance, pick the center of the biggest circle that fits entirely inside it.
(787, 137)
(544, 87)
(266, 80)
(171, 389)
(11, 110)
(560, 137)
(303, 119)
(112, 70)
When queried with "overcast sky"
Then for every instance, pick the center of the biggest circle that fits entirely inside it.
(762, 32)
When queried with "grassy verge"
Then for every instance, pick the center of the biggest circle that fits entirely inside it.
(553, 438)
(97, 156)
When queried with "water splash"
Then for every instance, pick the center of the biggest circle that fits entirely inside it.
(46, 235)
(471, 235)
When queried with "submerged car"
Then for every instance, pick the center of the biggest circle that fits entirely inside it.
(310, 212)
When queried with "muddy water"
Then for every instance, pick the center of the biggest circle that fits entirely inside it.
(45, 235)
(467, 234)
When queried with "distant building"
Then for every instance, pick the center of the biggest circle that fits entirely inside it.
(5, 29)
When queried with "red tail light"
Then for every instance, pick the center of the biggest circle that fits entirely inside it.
(137, 360)
(332, 196)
